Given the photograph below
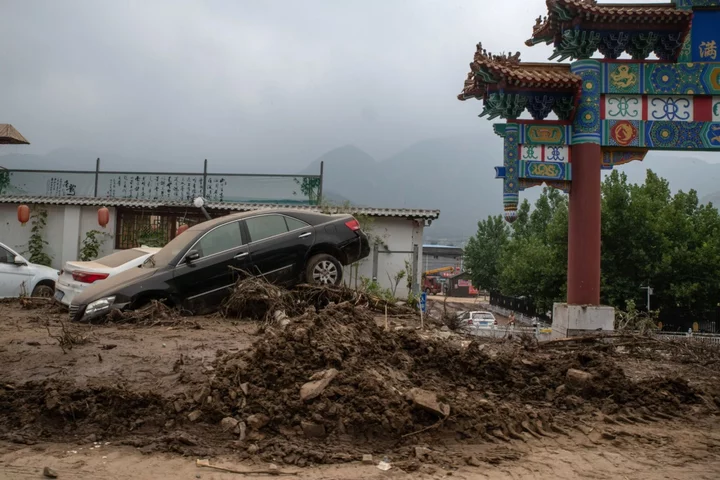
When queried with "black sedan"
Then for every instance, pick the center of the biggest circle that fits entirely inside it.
(197, 268)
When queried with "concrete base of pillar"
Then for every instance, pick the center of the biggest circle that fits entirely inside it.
(573, 320)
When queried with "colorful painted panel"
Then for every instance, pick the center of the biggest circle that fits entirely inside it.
(560, 153)
(711, 134)
(531, 152)
(510, 182)
(661, 78)
(715, 109)
(613, 158)
(552, 153)
(544, 134)
(586, 126)
(622, 133)
(545, 170)
(624, 107)
(662, 135)
(623, 78)
(705, 36)
(670, 108)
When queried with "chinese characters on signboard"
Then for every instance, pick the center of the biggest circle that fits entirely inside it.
(705, 35)
(159, 187)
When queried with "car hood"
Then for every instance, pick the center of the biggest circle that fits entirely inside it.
(113, 285)
(43, 271)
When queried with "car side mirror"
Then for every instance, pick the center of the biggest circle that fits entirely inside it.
(192, 255)
(19, 260)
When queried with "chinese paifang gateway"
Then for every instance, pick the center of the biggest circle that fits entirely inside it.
(605, 112)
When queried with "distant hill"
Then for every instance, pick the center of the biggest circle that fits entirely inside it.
(454, 175)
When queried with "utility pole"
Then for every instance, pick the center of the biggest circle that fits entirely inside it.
(649, 292)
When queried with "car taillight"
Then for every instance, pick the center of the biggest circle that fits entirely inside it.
(353, 225)
(470, 322)
(89, 277)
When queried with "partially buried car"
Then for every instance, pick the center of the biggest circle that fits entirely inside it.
(197, 269)
(76, 276)
(19, 277)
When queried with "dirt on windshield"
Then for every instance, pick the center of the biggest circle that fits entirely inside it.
(315, 380)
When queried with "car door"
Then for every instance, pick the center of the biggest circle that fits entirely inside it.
(14, 278)
(278, 246)
(201, 284)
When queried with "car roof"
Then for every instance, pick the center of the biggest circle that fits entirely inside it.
(239, 216)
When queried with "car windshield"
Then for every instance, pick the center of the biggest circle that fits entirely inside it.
(120, 258)
(170, 251)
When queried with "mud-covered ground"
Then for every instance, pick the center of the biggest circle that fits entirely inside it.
(145, 400)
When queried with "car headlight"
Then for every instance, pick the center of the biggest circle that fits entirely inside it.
(99, 305)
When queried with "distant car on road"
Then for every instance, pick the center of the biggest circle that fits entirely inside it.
(76, 276)
(19, 277)
(476, 319)
(198, 268)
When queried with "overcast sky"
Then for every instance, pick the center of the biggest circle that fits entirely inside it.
(248, 83)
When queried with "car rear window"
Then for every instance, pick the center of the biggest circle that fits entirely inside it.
(483, 316)
(120, 258)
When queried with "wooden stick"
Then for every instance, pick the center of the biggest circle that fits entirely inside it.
(206, 464)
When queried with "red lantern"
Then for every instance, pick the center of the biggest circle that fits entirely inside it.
(181, 229)
(103, 216)
(23, 214)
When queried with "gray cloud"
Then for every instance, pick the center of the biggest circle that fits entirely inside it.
(248, 84)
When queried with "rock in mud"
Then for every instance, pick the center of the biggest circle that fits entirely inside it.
(313, 430)
(578, 377)
(317, 384)
(367, 459)
(428, 401)
(228, 424)
(258, 421)
(194, 415)
(473, 461)
(244, 387)
(241, 430)
(421, 452)
(49, 473)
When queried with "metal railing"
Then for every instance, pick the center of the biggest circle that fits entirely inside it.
(170, 186)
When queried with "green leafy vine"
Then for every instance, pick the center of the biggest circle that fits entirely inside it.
(91, 245)
(36, 243)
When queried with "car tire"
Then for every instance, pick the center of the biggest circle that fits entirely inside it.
(323, 269)
(44, 291)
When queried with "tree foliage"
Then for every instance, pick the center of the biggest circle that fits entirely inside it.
(649, 236)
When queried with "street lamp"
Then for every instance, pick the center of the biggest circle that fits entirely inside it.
(199, 202)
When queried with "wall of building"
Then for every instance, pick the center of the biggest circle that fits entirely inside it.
(89, 221)
(66, 227)
(398, 236)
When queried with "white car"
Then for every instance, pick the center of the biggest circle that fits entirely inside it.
(18, 277)
(77, 276)
(476, 319)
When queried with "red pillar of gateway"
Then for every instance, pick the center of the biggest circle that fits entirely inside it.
(584, 226)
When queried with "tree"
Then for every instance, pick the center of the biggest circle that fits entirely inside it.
(649, 237)
(482, 252)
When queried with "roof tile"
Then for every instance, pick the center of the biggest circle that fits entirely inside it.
(227, 206)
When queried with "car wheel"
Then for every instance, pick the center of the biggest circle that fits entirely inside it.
(44, 291)
(323, 270)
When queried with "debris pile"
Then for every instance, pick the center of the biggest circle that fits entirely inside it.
(329, 384)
